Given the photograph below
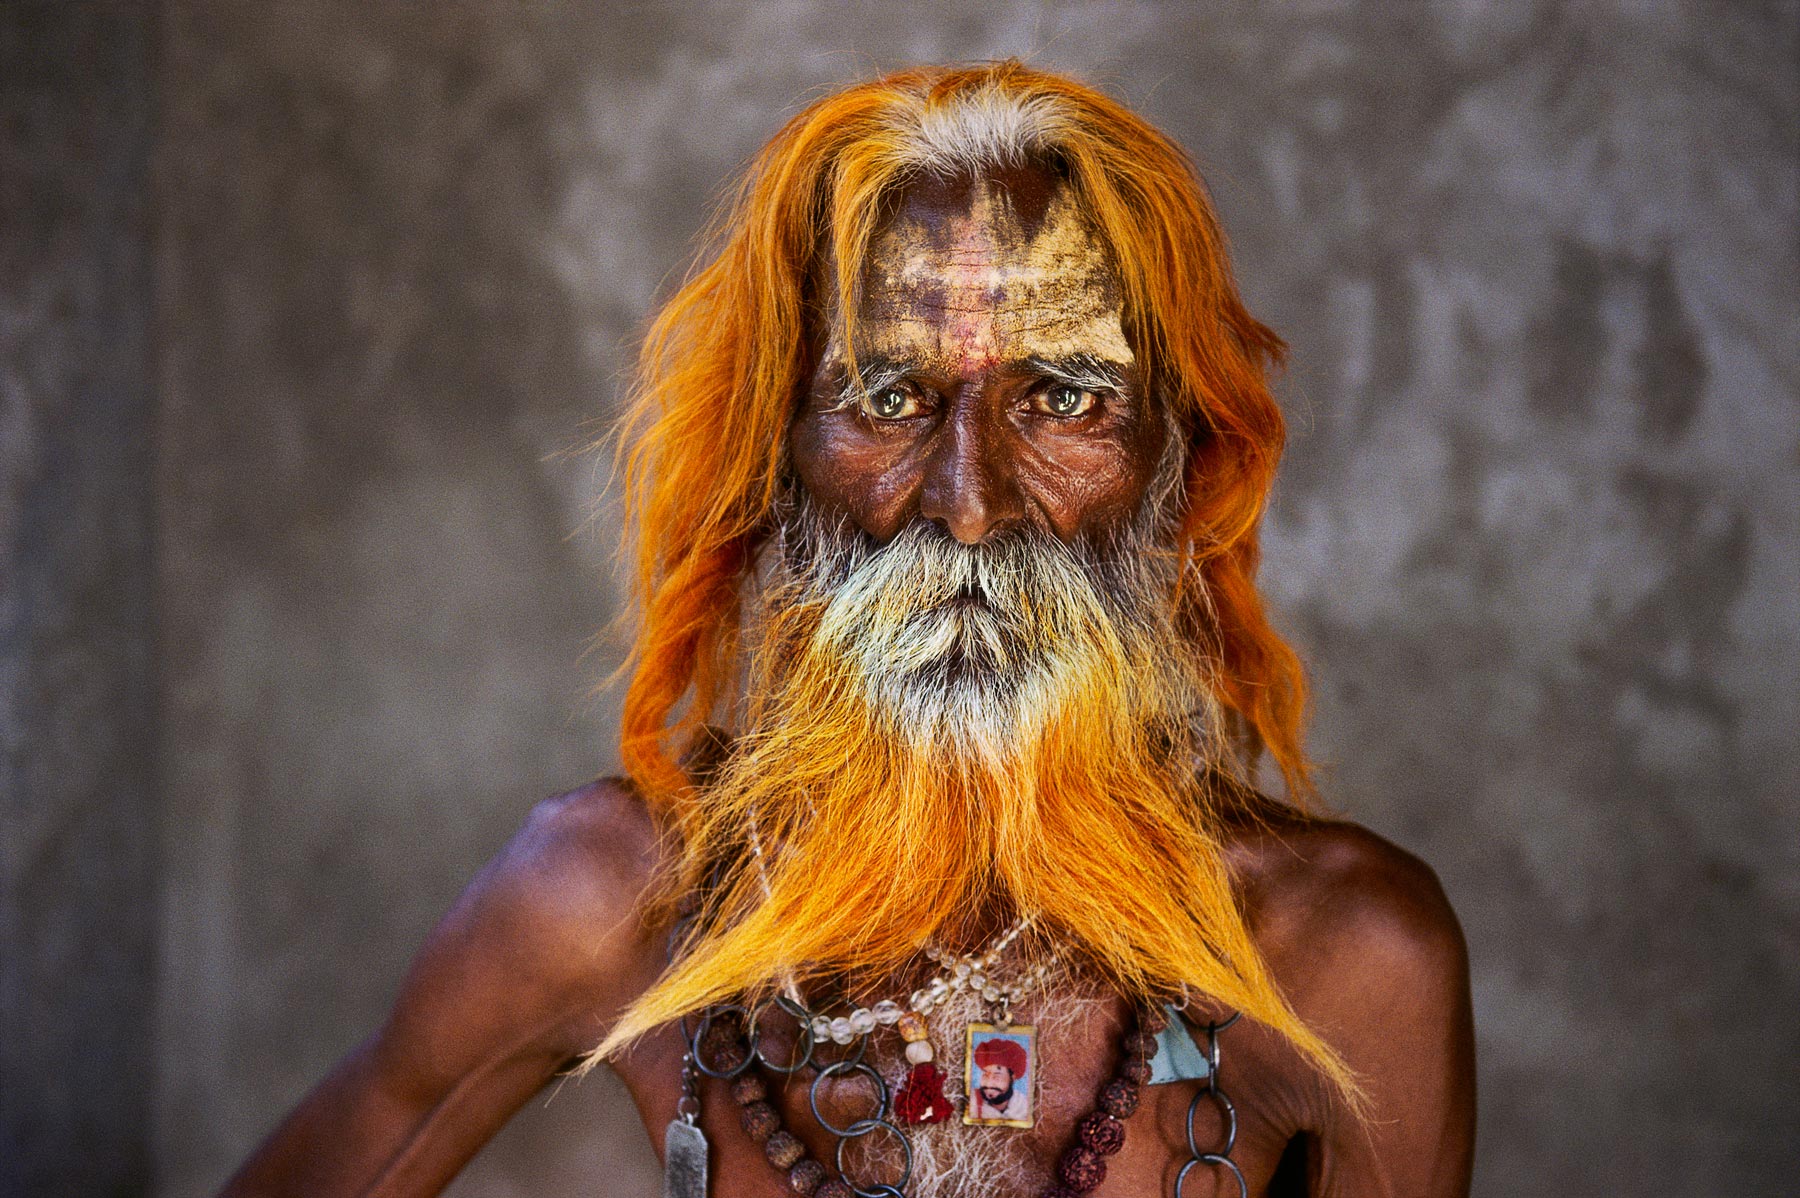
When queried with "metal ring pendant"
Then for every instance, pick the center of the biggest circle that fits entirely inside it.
(706, 1022)
(881, 1099)
(802, 1035)
(1213, 1158)
(886, 1189)
(1227, 1108)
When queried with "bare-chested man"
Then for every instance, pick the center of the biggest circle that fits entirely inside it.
(946, 474)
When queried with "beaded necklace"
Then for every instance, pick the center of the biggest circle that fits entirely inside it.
(969, 971)
(722, 1049)
(725, 1045)
(921, 1098)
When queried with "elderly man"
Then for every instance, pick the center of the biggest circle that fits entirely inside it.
(950, 692)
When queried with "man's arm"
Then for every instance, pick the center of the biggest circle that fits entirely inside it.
(1371, 956)
(527, 971)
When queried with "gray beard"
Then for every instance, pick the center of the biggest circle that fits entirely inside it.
(983, 632)
(977, 644)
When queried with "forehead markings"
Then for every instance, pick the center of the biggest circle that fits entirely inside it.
(988, 284)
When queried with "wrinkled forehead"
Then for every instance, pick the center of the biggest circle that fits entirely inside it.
(975, 271)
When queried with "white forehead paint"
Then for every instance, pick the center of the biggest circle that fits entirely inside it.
(979, 289)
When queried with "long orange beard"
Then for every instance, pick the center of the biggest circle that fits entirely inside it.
(940, 735)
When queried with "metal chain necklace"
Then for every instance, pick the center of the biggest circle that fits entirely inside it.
(1210, 1089)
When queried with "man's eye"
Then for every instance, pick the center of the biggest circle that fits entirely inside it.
(1065, 400)
(892, 403)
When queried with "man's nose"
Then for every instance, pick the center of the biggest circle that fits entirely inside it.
(970, 485)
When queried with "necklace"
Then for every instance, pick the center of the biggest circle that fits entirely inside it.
(1080, 1168)
(969, 971)
(725, 1045)
(922, 1097)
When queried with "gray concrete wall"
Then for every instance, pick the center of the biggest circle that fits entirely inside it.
(77, 795)
(374, 613)
(1538, 530)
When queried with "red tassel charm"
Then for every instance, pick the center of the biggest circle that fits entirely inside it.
(921, 1097)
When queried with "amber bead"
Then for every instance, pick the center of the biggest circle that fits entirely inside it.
(783, 1149)
(834, 1189)
(760, 1121)
(1101, 1132)
(1081, 1169)
(912, 1027)
(806, 1176)
(1120, 1098)
(1135, 1069)
(748, 1088)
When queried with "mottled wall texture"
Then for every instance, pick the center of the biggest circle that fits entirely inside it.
(1539, 530)
(78, 888)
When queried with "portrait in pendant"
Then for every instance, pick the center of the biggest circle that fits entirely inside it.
(1001, 1069)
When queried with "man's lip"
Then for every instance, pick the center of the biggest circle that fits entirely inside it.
(969, 596)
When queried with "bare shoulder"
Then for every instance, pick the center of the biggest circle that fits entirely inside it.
(1332, 902)
(552, 933)
(580, 858)
(1365, 946)
(524, 974)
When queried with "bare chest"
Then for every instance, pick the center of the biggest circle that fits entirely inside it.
(840, 1111)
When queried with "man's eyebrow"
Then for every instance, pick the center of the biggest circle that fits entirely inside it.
(875, 373)
(1090, 372)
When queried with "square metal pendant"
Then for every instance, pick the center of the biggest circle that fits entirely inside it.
(684, 1161)
(1000, 1075)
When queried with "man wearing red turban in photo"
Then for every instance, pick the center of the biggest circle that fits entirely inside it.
(1002, 1091)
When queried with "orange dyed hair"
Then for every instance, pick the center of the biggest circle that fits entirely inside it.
(722, 368)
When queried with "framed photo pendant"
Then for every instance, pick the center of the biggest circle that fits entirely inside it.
(1001, 1067)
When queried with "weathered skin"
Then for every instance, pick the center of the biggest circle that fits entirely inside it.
(970, 286)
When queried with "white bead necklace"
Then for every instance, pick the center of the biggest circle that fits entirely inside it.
(967, 971)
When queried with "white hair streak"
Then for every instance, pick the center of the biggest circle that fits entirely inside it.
(985, 129)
